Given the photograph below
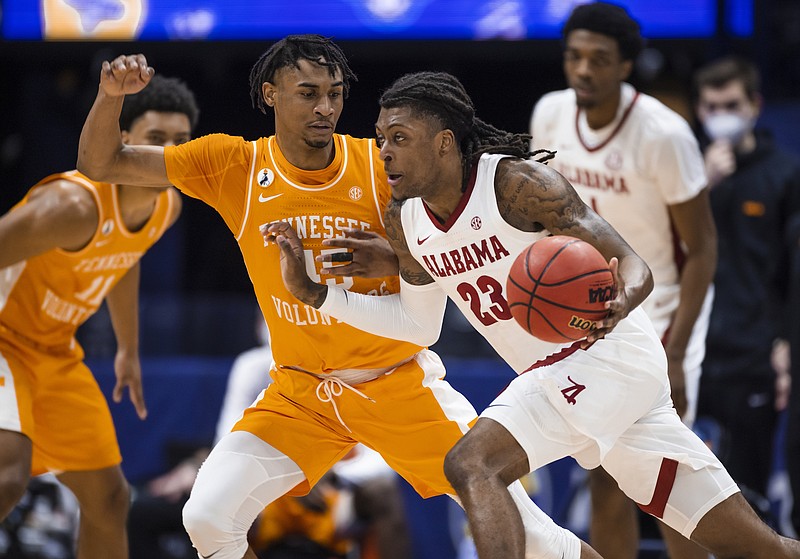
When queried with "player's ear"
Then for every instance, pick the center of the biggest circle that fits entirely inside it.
(268, 90)
(446, 141)
(626, 69)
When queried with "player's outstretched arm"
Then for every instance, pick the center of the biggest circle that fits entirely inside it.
(414, 315)
(532, 197)
(101, 154)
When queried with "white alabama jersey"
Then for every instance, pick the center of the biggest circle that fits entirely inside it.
(470, 256)
(629, 172)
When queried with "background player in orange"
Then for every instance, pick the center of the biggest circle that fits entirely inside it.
(333, 385)
(68, 245)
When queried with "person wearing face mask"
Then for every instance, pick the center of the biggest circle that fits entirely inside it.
(755, 199)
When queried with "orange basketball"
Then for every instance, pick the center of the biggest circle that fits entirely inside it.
(557, 288)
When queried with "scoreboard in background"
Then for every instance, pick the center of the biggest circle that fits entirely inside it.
(161, 20)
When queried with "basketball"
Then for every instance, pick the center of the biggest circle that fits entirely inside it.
(557, 288)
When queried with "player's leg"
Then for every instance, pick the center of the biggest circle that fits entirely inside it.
(664, 466)
(104, 498)
(16, 428)
(379, 504)
(15, 469)
(732, 529)
(614, 524)
(678, 546)
(481, 466)
(241, 476)
(415, 395)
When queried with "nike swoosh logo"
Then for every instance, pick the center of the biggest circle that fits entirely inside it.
(420, 241)
(102, 243)
(262, 198)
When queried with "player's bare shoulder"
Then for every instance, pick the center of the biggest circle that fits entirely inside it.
(531, 196)
(65, 201)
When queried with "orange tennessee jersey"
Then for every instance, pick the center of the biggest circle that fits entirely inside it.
(250, 184)
(44, 299)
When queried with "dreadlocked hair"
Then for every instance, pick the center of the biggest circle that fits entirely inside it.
(440, 97)
(288, 52)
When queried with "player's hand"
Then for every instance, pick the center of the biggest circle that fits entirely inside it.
(128, 371)
(293, 264)
(677, 382)
(720, 161)
(125, 75)
(372, 255)
(781, 362)
(618, 307)
(176, 483)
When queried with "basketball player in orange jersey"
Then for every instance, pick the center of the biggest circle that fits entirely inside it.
(68, 245)
(333, 385)
(467, 201)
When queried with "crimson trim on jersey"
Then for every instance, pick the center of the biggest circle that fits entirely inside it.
(613, 133)
(445, 227)
(664, 483)
(556, 357)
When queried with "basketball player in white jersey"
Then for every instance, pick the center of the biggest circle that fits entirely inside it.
(636, 163)
(461, 216)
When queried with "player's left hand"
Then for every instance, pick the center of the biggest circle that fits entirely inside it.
(128, 371)
(372, 255)
(618, 307)
(293, 264)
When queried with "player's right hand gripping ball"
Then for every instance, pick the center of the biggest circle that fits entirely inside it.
(557, 288)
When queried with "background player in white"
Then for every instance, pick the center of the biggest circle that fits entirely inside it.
(460, 222)
(637, 164)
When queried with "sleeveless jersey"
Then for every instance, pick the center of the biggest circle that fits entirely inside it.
(629, 172)
(44, 299)
(470, 256)
(251, 184)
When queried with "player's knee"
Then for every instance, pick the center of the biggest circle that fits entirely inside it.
(13, 482)
(109, 506)
(461, 467)
(210, 532)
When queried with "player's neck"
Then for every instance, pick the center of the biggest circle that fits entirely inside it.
(136, 204)
(603, 113)
(445, 198)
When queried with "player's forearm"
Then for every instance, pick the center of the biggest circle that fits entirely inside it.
(636, 277)
(414, 315)
(696, 277)
(123, 307)
(100, 141)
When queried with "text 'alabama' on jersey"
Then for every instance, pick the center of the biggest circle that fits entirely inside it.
(470, 256)
(251, 184)
(629, 172)
(45, 298)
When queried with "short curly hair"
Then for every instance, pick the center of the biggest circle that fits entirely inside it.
(163, 95)
(611, 20)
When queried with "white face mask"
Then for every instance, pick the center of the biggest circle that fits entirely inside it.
(726, 126)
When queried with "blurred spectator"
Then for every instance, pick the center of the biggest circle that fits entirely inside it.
(354, 511)
(755, 198)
